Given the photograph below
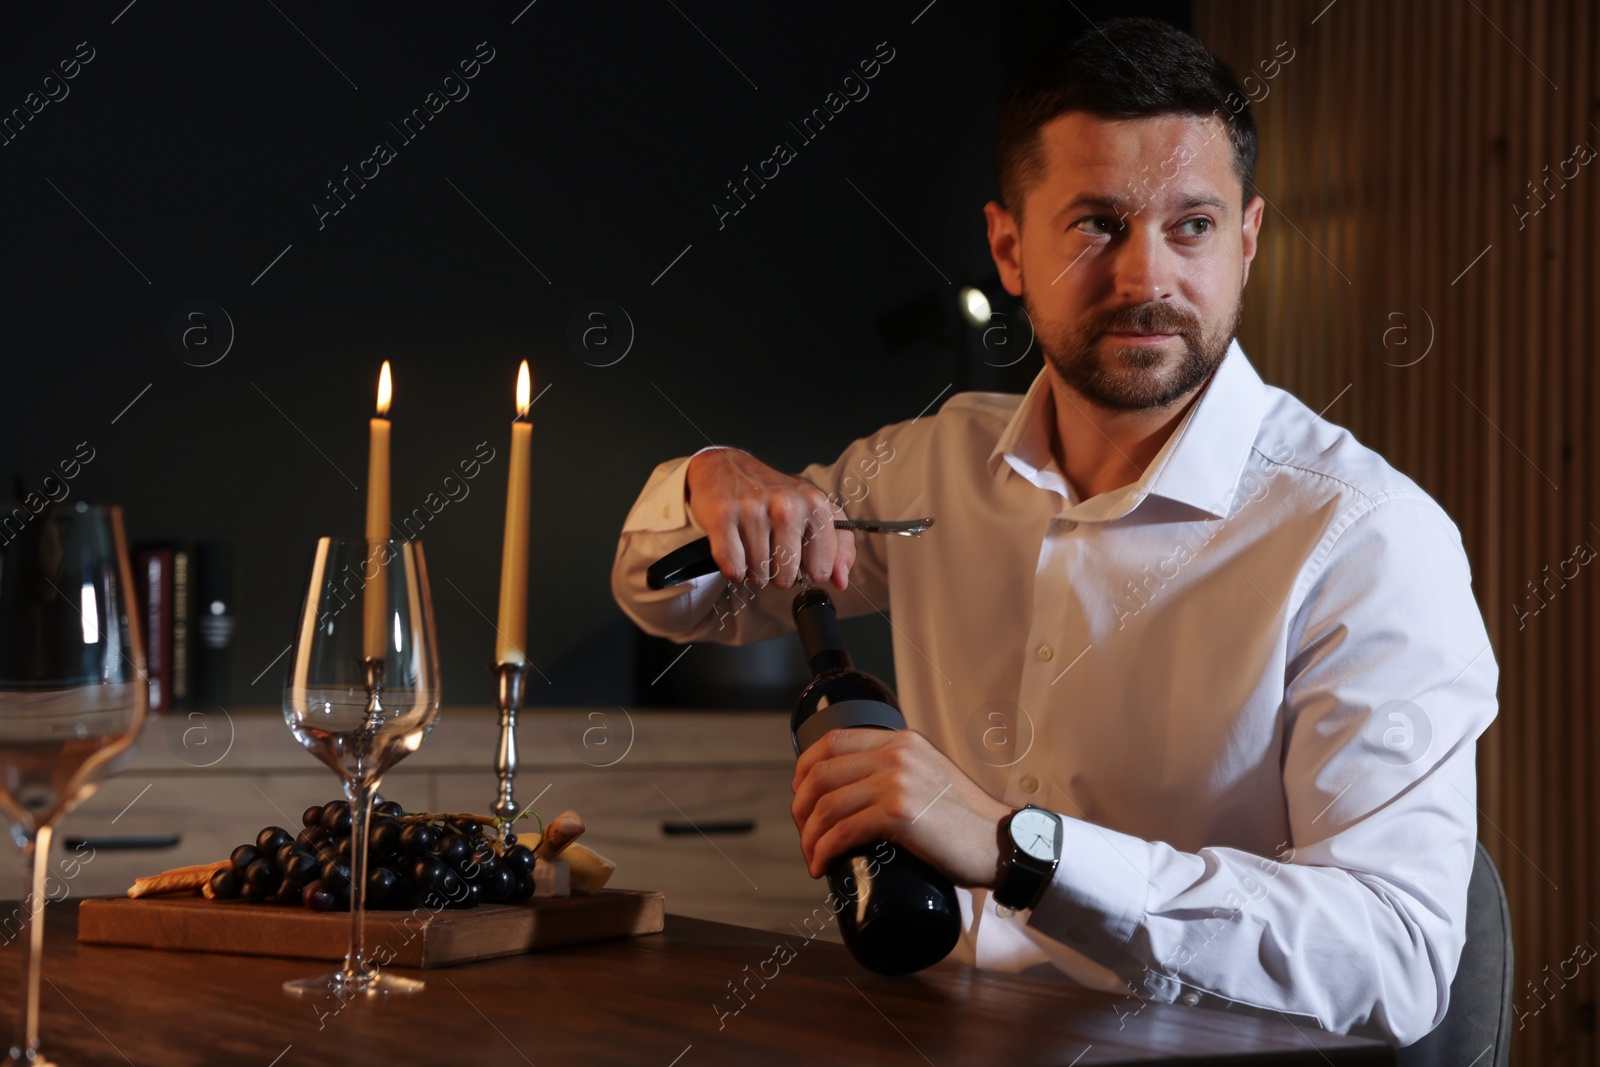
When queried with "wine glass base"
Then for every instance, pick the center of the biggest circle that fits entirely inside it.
(39, 1059)
(372, 984)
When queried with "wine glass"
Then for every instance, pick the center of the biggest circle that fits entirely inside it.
(362, 691)
(73, 692)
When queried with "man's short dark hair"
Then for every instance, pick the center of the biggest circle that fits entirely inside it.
(1122, 69)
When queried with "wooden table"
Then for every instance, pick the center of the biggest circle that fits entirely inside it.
(646, 1000)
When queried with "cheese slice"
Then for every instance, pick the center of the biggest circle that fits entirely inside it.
(590, 870)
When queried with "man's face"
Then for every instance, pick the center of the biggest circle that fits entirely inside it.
(1132, 254)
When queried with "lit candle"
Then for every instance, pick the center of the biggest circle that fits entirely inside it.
(374, 639)
(513, 624)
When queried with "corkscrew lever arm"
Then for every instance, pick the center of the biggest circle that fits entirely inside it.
(694, 560)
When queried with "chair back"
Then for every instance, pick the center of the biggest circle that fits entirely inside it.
(1477, 1026)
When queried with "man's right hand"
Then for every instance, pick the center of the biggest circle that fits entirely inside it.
(765, 524)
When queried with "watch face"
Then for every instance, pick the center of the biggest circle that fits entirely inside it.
(1034, 832)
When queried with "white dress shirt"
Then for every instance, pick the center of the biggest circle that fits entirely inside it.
(1251, 682)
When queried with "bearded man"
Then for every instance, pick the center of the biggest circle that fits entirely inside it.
(1231, 657)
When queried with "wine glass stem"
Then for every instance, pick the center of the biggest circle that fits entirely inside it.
(36, 866)
(356, 968)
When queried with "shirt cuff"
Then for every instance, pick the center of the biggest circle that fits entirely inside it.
(1095, 900)
(661, 508)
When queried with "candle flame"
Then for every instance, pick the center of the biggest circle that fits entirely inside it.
(385, 389)
(524, 389)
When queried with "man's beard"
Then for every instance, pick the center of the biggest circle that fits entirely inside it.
(1130, 377)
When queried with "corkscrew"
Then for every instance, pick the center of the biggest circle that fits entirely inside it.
(694, 560)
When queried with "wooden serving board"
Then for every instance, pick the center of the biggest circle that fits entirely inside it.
(422, 938)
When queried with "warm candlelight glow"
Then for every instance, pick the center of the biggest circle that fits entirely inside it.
(376, 606)
(511, 630)
(385, 389)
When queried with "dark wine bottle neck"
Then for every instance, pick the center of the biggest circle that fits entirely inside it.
(818, 626)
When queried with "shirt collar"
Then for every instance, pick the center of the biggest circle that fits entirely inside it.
(1199, 465)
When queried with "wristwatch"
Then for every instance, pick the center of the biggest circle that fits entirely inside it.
(1030, 848)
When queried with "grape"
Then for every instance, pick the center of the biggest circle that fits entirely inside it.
(244, 856)
(522, 890)
(419, 839)
(520, 861)
(381, 885)
(336, 816)
(454, 889)
(225, 883)
(498, 884)
(482, 866)
(336, 873)
(384, 841)
(429, 874)
(260, 880)
(316, 896)
(452, 861)
(456, 852)
(302, 868)
(271, 839)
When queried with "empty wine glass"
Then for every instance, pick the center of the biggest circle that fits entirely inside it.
(73, 693)
(362, 691)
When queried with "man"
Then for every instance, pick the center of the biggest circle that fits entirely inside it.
(1229, 651)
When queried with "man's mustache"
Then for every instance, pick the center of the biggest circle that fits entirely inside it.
(1146, 318)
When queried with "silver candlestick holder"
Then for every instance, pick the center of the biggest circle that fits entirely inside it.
(372, 674)
(511, 677)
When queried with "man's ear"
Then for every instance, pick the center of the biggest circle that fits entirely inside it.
(1005, 245)
(1250, 234)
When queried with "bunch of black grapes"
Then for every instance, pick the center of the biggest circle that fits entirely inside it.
(422, 860)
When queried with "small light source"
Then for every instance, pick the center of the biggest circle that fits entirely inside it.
(385, 390)
(90, 611)
(975, 306)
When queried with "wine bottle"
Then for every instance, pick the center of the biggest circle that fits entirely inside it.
(897, 914)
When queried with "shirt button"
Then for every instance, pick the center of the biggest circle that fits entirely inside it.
(1069, 525)
(1001, 911)
(1045, 652)
(1030, 784)
(1191, 999)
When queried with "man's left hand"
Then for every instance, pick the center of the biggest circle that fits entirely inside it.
(853, 787)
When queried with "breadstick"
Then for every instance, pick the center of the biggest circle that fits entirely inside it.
(559, 832)
(177, 880)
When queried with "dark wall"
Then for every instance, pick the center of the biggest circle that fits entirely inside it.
(190, 151)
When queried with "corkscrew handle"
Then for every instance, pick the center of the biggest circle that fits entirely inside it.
(691, 561)
(694, 560)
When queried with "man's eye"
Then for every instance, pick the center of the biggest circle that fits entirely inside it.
(1200, 221)
(1097, 225)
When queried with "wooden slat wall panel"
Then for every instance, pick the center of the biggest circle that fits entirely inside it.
(1395, 147)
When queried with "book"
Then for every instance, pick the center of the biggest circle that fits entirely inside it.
(153, 566)
(182, 653)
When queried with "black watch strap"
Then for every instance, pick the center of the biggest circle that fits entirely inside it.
(1023, 877)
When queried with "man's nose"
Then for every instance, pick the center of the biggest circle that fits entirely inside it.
(1143, 268)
